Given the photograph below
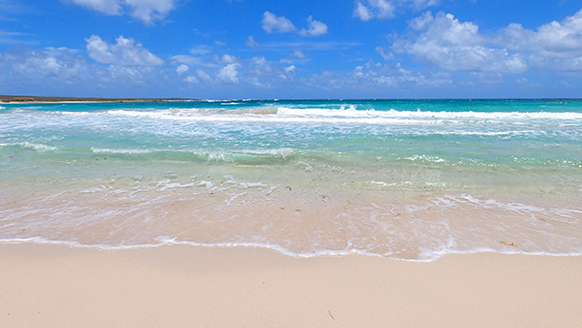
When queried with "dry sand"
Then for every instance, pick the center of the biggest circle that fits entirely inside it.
(186, 286)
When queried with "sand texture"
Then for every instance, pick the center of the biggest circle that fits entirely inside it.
(186, 286)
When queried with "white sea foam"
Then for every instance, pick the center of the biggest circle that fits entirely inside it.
(352, 116)
(35, 146)
(120, 151)
(175, 185)
(427, 255)
(217, 156)
(424, 158)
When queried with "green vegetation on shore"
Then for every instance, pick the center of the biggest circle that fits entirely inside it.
(32, 99)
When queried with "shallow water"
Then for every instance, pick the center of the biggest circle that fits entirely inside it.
(402, 179)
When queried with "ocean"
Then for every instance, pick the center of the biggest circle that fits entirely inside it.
(402, 179)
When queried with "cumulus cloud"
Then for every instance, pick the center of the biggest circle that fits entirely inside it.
(145, 10)
(556, 45)
(457, 46)
(264, 74)
(128, 74)
(374, 76)
(554, 39)
(181, 69)
(225, 59)
(54, 63)
(374, 9)
(383, 9)
(59, 68)
(316, 28)
(272, 23)
(395, 75)
(228, 74)
(149, 10)
(125, 52)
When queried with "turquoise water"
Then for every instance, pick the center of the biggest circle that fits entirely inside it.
(408, 179)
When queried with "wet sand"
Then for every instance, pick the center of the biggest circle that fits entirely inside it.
(186, 286)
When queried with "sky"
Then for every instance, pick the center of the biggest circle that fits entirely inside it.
(292, 49)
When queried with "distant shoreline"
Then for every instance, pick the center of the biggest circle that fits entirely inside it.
(35, 100)
(12, 99)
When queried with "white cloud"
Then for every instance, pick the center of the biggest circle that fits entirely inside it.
(8, 37)
(553, 39)
(260, 66)
(182, 69)
(202, 57)
(421, 4)
(298, 54)
(107, 7)
(188, 60)
(257, 83)
(251, 42)
(383, 9)
(445, 41)
(374, 9)
(128, 74)
(362, 12)
(521, 81)
(201, 50)
(228, 74)
(386, 56)
(190, 79)
(316, 28)
(554, 45)
(263, 73)
(55, 68)
(272, 23)
(458, 46)
(487, 77)
(226, 59)
(204, 76)
(54, 63)
(145, 10)
(125, 52)
(376, 77)
(311, 45)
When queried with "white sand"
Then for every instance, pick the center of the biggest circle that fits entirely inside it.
(185, 286)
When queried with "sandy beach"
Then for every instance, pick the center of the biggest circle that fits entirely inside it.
(186, 286)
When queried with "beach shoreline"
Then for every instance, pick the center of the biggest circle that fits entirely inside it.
(182, 285)
(11, 99)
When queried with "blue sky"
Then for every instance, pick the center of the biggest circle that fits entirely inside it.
(229, 49)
